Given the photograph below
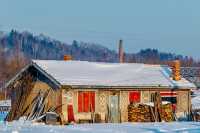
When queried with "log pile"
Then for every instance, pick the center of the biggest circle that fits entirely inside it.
(146, 113)
(151, 113)
(139, 113)
(167, 113)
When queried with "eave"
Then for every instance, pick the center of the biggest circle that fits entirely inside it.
(124, 87)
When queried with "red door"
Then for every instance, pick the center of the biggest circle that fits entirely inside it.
(70, 113)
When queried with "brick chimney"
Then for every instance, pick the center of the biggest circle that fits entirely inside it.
(67, 57)
(176, 70)
(121, 52)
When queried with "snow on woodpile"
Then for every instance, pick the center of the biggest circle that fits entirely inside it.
(109, 74)
(173, 127)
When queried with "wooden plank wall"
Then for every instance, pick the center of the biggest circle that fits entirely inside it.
(102, 102)
(2, 96)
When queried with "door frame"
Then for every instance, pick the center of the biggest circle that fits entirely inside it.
(114, 93)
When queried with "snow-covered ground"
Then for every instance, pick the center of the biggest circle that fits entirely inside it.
(28, 127)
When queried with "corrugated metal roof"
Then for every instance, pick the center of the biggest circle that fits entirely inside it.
(110, 74)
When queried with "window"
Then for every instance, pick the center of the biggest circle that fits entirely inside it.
(134, 96)
(86, 101)
(169, 96)
(170, 99)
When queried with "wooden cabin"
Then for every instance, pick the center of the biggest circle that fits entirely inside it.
(104, 90)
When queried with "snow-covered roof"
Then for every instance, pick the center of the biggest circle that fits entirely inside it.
(110, 74)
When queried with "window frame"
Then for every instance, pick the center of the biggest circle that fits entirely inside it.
(86, 105)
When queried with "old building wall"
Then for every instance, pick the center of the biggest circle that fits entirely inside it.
(2, 95)
(75, 104)
(102, 102)
(64, 104)
(124, 101)
(70, 97)
(77, 114)
(183, 103)
(52, 99)
(146, 96)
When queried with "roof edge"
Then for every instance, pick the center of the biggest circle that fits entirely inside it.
(25, 68)
(123, 87)
(46, 74)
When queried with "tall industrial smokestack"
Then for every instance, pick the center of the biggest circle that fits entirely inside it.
(121, 52)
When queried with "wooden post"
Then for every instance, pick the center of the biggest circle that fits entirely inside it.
(157, 106)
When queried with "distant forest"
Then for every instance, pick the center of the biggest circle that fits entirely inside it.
(18, 48)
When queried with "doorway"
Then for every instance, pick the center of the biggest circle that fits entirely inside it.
(114, 108)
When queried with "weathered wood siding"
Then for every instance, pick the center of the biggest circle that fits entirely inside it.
(102, 102)
(183, 103)
(52, 99)
(124, 101)
(145, 96)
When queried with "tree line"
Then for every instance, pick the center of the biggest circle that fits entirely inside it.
(18, 48)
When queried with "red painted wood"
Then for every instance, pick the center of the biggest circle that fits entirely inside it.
(80, 102)
(92, 101)
(174, 106)
(168, 93)
(134, 96)
(86, 102)
(70, 113)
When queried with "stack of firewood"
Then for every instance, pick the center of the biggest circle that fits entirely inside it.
(167, 113)
(155, 113)
(139, 113)
(146, 113)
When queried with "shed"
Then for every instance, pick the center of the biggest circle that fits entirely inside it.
(86, 88)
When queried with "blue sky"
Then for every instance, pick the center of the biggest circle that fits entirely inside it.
(169, 25)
